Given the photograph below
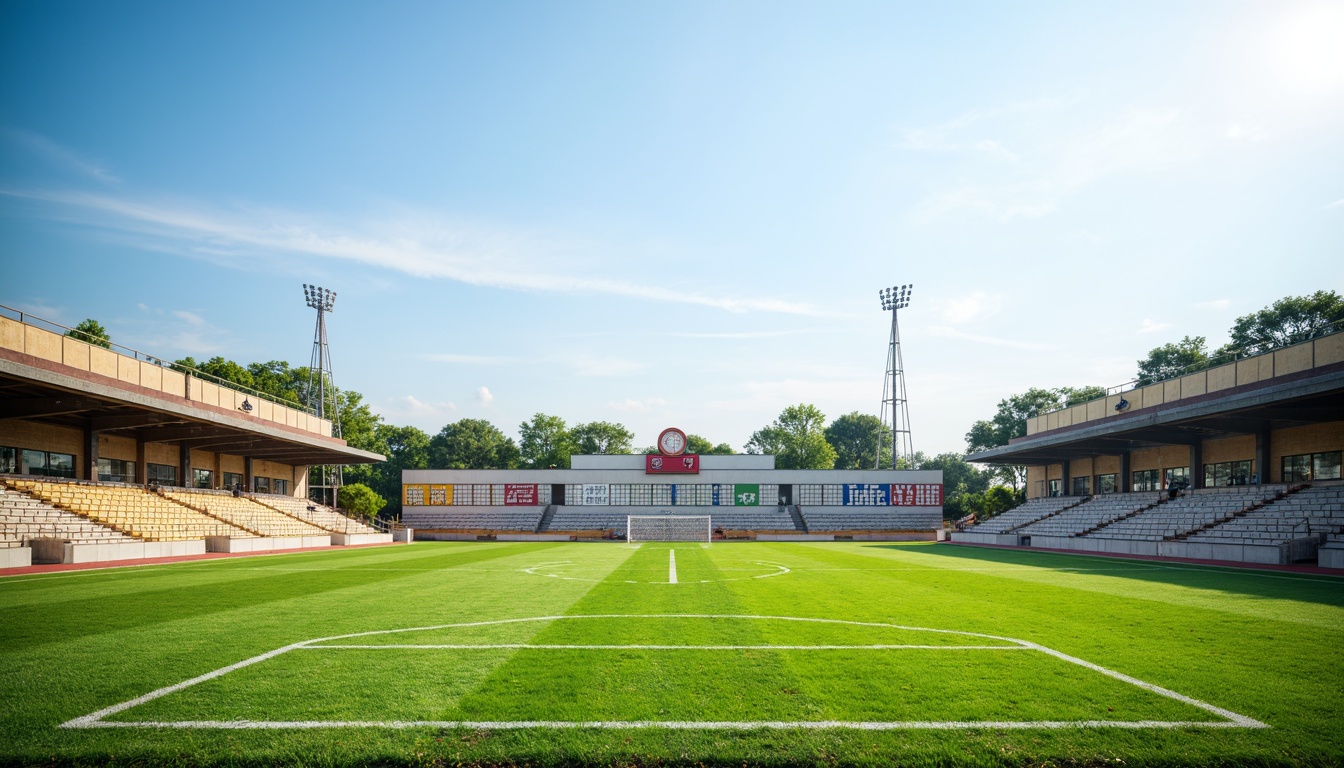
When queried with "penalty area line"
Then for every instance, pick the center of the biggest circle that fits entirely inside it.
(673, 725)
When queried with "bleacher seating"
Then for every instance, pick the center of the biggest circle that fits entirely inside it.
(1188, 512)
(1099, 510)
(129, 509)
(244, 513)
(24, 518)
(826, 519)
(319, 515)
(1030, 512)
(473, 518)
(1315, 510)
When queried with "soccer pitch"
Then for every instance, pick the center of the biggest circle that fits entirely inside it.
(560, 653)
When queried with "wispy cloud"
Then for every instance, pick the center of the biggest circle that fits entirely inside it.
(1337, 204)
(590, 365)
(969, 308)
(745, 334)
(484, 397)
(465, 359)
(1215, 304)
(412, 408)
(644, 405)
(1152, 326)
(55, 154)
(995, 341)
(415, 245)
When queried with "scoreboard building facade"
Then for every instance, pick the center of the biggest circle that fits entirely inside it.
(599, 489)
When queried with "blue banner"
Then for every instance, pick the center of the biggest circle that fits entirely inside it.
(858, 495)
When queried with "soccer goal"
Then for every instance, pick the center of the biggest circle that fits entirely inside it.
(667, 528)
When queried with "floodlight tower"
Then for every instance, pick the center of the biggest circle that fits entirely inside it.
(322, 392)
(894, 402)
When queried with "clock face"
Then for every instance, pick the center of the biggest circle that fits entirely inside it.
(672, 442)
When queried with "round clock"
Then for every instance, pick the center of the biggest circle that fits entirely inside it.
(672, 442)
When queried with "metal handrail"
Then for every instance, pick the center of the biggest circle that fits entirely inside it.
(30, 319)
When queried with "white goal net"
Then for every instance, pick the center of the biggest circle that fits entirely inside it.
(668, 528)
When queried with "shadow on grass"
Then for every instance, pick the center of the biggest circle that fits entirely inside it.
(1326, 590)
(25, 627)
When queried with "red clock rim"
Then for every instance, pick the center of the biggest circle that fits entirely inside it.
(664, 450)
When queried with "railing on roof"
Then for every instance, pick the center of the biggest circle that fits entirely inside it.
(1331, 331)
(28, 318)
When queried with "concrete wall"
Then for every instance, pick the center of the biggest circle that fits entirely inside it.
(264, 544)
(16, 557)
(58, 551)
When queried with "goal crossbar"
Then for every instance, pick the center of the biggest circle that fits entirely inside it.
(668, 528)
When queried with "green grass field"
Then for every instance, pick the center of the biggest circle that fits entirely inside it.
(522, 653)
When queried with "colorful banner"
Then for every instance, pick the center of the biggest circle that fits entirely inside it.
(861, 495)
(414, 495)
(520, 495)
(440, 495)
(595, 495)
(917, 495)
(686, 464)
(747, 495)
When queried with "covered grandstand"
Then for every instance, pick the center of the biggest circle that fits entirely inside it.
(1238, 462)
(744, 496)
(109, 454)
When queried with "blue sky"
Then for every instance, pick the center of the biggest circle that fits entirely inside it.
(671, 213)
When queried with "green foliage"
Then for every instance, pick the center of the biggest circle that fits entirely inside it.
(1289, 320)
(358, 422)
(472, 444)
(220, 368)
(1010, 421)
(699, 445)
(797, 439)
(361, 500)
(855, 438)
(1076, 395)
(1164, 362)
(93, 332)
(545, 442)
(405, 448)
(601, 437)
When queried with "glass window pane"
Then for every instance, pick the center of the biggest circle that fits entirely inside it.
(34, 462)
(61, 465)
(1325, 466)
(9, 460)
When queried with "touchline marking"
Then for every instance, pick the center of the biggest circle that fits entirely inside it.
(96, 719)
(528, 646)
(671, 566)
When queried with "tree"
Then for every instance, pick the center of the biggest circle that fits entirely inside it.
(1289, 320)
(1164, 362)
(1076, 395)
(856, 438)
(544, 442)
(601, 437)
(957, 472)
(472, 444)
(1010, 421)
(361, 500)
(218, 367)
(796, 439)
(277, 379)
(405, 448)
(699, 445)
(93, 332)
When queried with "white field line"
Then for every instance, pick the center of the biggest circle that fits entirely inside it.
(671, 566)
(670, 725)
(528, 646)
(540, 568)
(95, 719)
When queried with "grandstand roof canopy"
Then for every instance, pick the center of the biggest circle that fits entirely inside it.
(1311, 396)
(38, 390)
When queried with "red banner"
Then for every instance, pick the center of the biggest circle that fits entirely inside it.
(685, 464)
(520, 495)
(916, 495)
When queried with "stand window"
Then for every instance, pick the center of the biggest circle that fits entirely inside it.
(116, 470)
(163, 474)
(1227, 473)
(1311, 466)
(1146, 480)
(1082, 486)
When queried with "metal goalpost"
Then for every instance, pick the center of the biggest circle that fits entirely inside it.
(668, 528)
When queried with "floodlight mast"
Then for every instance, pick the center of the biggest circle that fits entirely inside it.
(322, 394)
(894, 400)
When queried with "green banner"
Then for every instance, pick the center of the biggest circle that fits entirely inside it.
(746, 495)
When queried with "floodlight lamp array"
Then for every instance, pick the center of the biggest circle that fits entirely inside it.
(319, 298)
(896, 297)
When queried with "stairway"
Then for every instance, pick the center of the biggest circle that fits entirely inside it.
(796, 514)
(544, 524)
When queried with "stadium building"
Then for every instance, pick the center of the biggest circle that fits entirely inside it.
(610, 496)
(1237, 462)
(109, 454)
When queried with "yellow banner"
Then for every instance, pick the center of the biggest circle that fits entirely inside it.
(414, 495)
(440, 495)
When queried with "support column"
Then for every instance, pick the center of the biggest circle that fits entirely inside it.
(1126, 477)
(1065, 487)
(90, 453)
(218, 477)
(247, 474)
(184, 465)
(1262, 454)
(1197, 465)
(141, 471)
